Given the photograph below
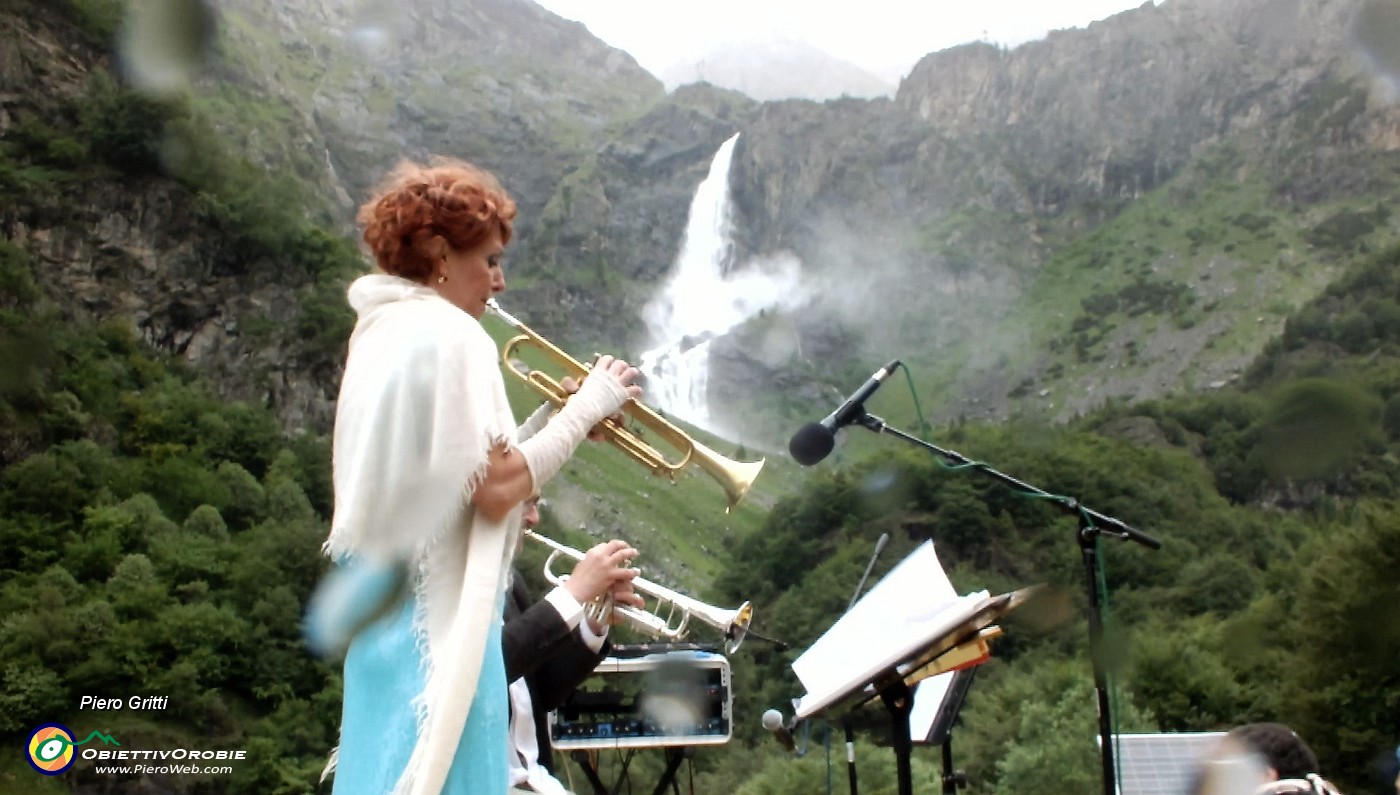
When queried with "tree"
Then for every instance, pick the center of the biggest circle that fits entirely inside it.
(29, 695)
(1347, 639)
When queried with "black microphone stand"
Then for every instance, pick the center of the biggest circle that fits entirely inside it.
(1092, 524)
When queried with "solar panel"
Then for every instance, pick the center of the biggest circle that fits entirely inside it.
(1161, 764)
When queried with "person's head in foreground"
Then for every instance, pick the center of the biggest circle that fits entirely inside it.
(1261, 759)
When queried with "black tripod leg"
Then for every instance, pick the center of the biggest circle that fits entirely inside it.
(850, 752)
(952, 779)
(899, 700)
(674, 756)
(589, 772)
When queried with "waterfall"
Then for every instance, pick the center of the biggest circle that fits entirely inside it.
(704, 298)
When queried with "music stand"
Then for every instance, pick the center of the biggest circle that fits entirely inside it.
(886, 668)
(951, 688)
(1092, 525)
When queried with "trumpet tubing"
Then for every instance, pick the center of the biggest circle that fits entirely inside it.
(735, 477)
(671, 617)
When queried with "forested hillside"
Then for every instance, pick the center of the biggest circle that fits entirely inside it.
(1274, 596)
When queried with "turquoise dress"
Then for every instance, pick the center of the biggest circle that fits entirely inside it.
(378, 729)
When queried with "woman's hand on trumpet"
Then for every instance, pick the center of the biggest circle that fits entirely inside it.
(625, 373)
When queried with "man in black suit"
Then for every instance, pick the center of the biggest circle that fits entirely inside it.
(551, 646)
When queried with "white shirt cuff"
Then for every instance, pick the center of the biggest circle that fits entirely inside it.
(569, 608)
(591, 639)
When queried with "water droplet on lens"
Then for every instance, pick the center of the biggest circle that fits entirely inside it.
(373, 30)
(163, 42)
(1377, 35)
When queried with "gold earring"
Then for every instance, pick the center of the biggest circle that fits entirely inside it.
(442, 278)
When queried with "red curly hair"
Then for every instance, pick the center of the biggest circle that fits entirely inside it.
(451, 199)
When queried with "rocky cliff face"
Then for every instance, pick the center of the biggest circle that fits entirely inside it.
(320, 91)
(930, 222)
(141, 256)
(135, 250)
(502, 83)
(1119, 107)
(612, 230)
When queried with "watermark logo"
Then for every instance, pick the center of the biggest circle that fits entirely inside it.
(51, 747)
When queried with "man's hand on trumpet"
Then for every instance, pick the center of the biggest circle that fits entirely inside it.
(605, 569)
(623, 594)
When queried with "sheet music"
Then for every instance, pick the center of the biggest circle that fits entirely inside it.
(914, 604)
(928, 700)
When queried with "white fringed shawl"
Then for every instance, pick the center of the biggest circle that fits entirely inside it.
(421, 404)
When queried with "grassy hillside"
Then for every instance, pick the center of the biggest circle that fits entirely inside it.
(1177, 293)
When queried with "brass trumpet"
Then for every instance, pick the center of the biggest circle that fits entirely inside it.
(734, 624)
(735, 477)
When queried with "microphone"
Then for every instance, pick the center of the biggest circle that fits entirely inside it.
(815, 440)
(773, 722)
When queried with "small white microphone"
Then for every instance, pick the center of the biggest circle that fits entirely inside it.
(773, 722)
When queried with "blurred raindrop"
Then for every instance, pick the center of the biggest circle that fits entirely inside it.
(23, 358)
(162, 43)
(1377, 35)
(879, 480)
(674, 697)
(374, 31)
(177, 156)
(1050, 609)
(350, 598)
(1315, 427)
(1229, 769)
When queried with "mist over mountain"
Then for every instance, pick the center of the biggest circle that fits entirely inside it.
(1126, 210)
(775, 69)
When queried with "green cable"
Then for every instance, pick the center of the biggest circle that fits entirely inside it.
(924, 429)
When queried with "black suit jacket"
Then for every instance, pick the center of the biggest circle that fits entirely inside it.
(538, 645)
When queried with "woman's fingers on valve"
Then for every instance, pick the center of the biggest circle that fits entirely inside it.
(619, 368)
(625, 373)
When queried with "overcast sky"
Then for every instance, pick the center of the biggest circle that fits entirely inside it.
(886, 37)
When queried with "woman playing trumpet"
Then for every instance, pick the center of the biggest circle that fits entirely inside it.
(431, 470)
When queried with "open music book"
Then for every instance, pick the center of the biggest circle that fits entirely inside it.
(910, 617)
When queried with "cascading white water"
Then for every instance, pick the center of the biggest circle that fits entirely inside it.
(703, 300)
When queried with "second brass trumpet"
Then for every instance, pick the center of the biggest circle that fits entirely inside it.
(671, 617)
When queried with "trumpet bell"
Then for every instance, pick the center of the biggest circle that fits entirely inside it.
(738, 628)
(735, 477)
